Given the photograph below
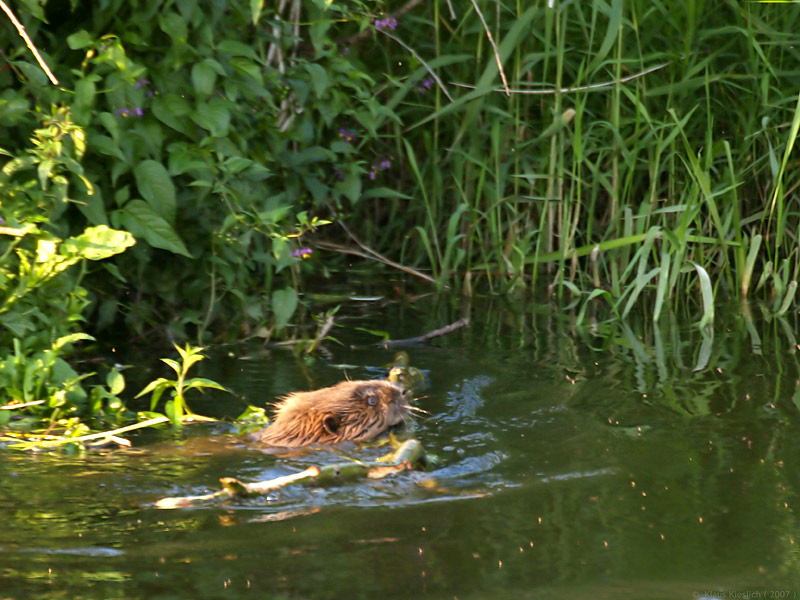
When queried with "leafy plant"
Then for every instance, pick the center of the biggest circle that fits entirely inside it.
(176, 407)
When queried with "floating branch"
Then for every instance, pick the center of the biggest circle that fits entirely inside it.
(425, 337)
(406, 457)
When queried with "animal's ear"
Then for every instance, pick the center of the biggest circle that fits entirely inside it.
(331, 424)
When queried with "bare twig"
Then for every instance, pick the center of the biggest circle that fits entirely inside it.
(582, 88)
(494, 47)
(24, 34)
(362, 35)
(425, 337)
(369, 253)
(452, 12)
(433, 74)
(23, 405)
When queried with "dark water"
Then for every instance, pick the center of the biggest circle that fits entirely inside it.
(614, 461)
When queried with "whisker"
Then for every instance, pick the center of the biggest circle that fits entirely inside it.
(416, 409)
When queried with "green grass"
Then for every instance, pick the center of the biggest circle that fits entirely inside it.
(676, 179)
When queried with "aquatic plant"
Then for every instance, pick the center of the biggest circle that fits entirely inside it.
(176, 407)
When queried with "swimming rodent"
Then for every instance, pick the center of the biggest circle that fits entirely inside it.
(354, 411)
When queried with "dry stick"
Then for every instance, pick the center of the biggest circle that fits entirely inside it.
(372, 255)
(413, 52)
(326, 327)
(452, 12)
(582, 88)
(425, 337)
(362, 35)
(24, 34)
(23, 405)
(494, 48)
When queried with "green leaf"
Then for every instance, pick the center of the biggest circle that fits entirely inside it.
(351, 187)
(97, 243)
(201, 382)
(172, 364)
(383, 192)
(204, 77)
(115, 382)
(143, 222)
(319, 78)
(169, 109)
(174, 26)
(213, 116)
(153, 385)
(256, 6)
(85, 90)
(105, 145)
(69, 339)
(79, 39)
(155, 185)
(16, 323)
(284, 303)
(236, 48)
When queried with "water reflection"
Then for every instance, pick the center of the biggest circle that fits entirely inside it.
(632, 459)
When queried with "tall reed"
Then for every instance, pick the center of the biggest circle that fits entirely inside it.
(647, 149)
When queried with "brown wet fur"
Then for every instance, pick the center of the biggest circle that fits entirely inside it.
(354, 411)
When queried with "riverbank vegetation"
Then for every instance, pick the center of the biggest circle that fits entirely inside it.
(223, 160)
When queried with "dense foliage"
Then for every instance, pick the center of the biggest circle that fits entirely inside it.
(638, 146)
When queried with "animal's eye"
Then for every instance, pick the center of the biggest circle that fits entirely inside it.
(372, 400)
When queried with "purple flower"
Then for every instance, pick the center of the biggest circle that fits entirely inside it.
(301, 253)
(383, 165)
(2, 221)
(142, 82)
(136, 111)
(387, 23)
(348, 136)
(425, 85)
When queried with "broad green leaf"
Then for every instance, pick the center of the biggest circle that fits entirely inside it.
(284, 303)
(236, 48)
(79, 39)
(115, 382)
(16, 323)
(97, 243)
(155, 185)
(143, 222)
(169, 110)
(204, 78)
(319, 78)
(174, 26)
(213, 116)
(105, 145)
